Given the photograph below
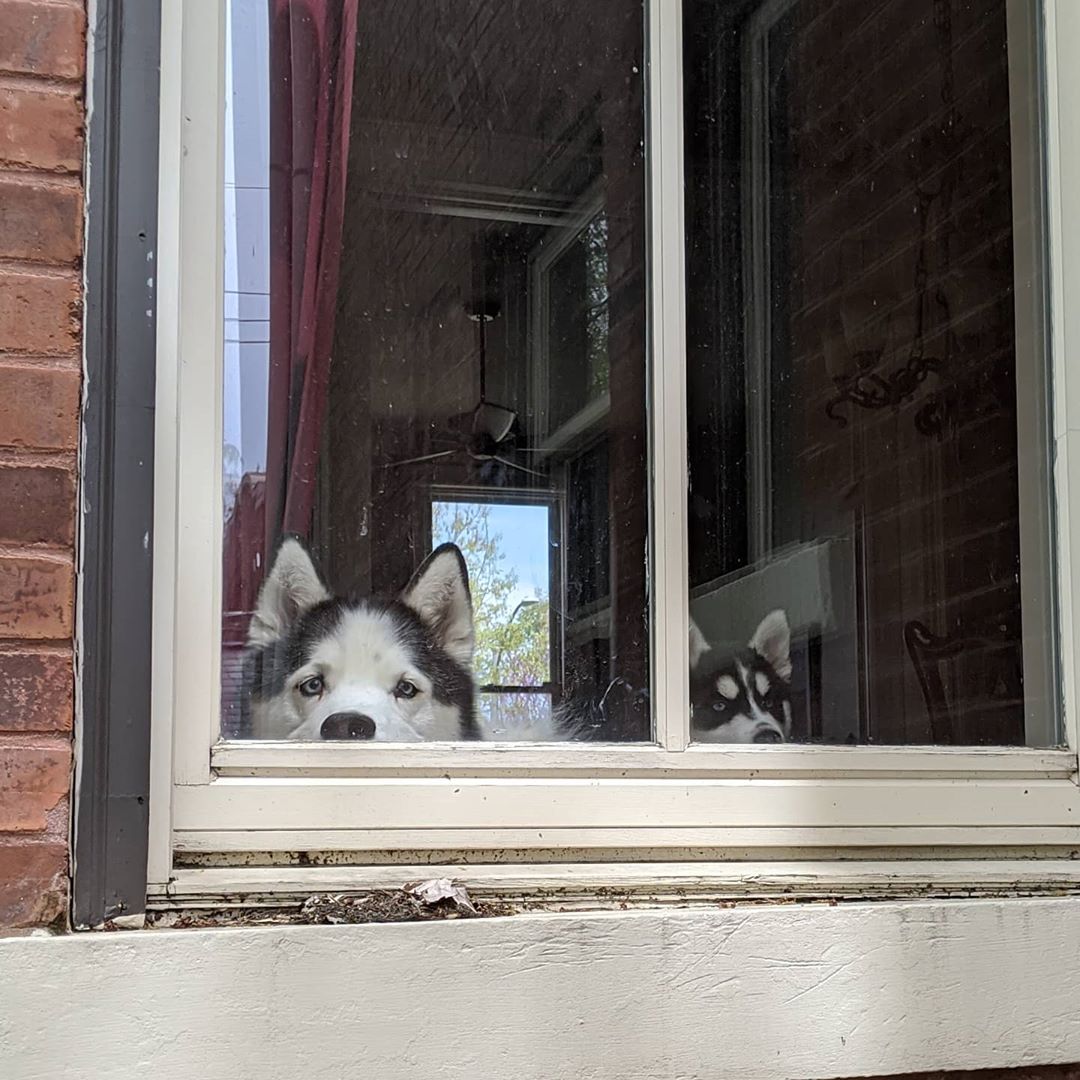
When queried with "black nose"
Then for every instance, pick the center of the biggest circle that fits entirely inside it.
(348, 725)
(765, 734)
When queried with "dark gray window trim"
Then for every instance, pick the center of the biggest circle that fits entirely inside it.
(112, 775)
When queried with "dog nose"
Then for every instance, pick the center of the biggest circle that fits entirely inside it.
(767, 735)
(348, 725)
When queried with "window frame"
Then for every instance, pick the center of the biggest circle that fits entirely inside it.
(111, 781)
(213, 802)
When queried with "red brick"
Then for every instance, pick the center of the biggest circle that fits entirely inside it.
(41, 39)
(39, 220)
(39, 313)
(36, 597)
(36, 692)
(33, 780)
(39, 407)
(33, 883)
(41, 129)
(37, 504)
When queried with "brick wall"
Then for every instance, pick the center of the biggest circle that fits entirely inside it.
(41, 203)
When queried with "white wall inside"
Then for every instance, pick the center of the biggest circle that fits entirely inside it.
(750, 991)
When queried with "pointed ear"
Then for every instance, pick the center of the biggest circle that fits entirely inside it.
(292, 588)
(698, 645)
(772, 640)
(439, 594)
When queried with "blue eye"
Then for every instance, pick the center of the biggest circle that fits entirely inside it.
(312, 687)
(405, 689)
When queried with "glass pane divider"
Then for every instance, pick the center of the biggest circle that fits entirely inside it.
(668, 592)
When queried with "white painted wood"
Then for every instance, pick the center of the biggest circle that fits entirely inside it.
(1030, 307)
(198, 357)
(166, 434)
(669, 589)
(698, 762)
(755, 992)
(623, 845)
(633, 805)
(1061, 49)
(676, 883)
(316, 798)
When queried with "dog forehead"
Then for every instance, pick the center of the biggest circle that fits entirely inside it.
(725, 673)
(365, 643)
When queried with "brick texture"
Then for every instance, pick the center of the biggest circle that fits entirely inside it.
(41, 39)
(39, 407)
(35, 505)
(33, 883)
(33, 781)
(36, 598)
(39, 221)
(36, 691)
(39, 313)
(42, 121)
(41, 129)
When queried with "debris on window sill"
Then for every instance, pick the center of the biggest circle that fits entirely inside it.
(435, 899)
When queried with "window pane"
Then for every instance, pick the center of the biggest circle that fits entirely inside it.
(435, 333)
(508, 546)
(867, 373)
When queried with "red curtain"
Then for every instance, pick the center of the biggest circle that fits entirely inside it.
(312, 59)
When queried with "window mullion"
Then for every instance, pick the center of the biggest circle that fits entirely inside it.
(669, 598)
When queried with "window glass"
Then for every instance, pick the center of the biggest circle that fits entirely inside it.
(435, 335)
(508, 547)
(868, 510)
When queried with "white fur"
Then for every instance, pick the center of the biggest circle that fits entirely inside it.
(362, 663)
(772, 640)
(439, 594)
(292, 588)
(698, 645)
(743, 728)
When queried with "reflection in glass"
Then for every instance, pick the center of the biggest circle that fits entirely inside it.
(435, 332)
(867, 373)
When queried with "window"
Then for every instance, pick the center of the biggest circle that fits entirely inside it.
(866, 358)
(512, 550)
(717, 337)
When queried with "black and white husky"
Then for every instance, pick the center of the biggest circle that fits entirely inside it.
(321, 666)
(328, 667)
(742, 695)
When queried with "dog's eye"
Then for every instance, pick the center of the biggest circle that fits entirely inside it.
(720, 706)
(405, 689)
(312, 687)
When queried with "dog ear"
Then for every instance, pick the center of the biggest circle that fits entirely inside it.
(698, 645)
(772, 640)
(292, 588)
(439, 594)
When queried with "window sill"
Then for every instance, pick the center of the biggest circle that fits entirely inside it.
(780, 990)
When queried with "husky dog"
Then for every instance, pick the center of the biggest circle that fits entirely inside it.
(327, 667)
(742, 695)
(320, 666)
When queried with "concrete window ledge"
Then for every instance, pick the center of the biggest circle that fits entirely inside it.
(770, 990)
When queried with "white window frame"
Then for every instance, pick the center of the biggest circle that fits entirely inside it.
(579, 813)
